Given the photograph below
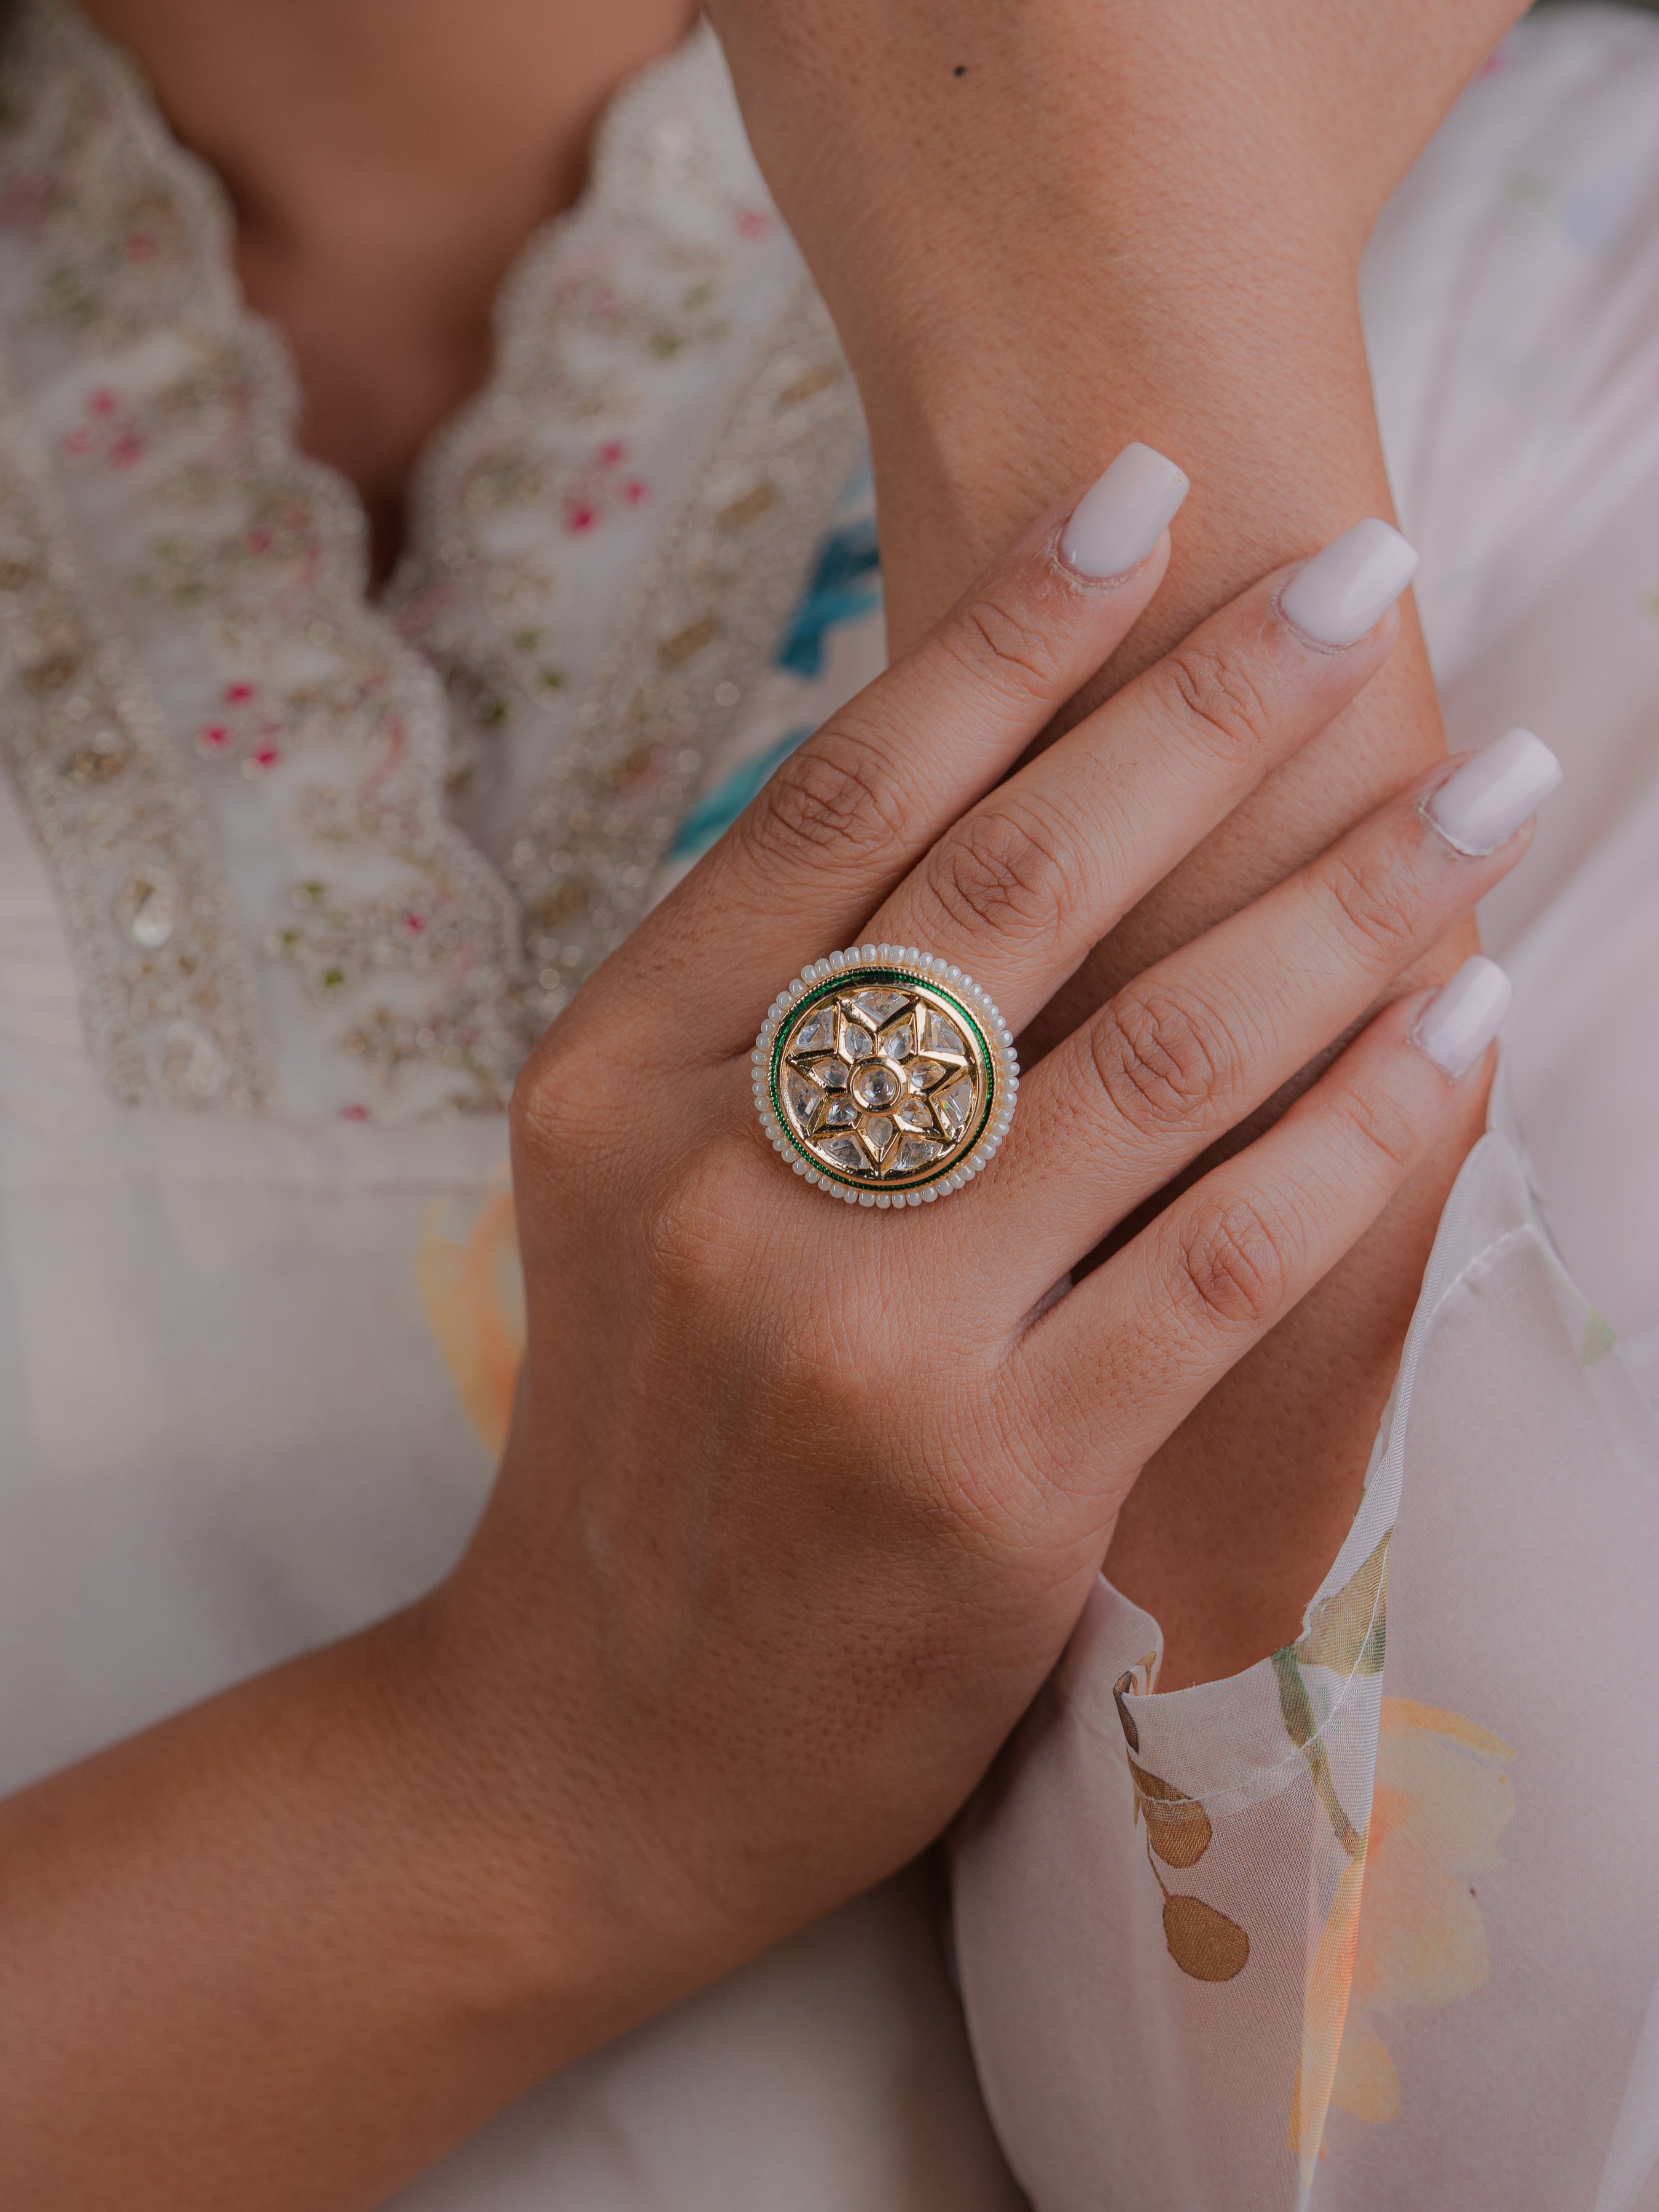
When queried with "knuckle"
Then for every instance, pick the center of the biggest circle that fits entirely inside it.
(833, 799)
(559, 1095)
(1163, 1063)
(1234, 1268)
(995, 641)
(1214, 695)
(1372, 903)
(1000, 869)
(693, 1221)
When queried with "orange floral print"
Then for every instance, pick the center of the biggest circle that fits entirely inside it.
(473, 1293)
(1442, 1798)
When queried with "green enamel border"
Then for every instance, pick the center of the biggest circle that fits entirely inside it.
(828, 990)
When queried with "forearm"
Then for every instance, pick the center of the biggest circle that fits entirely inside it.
(284, 1949)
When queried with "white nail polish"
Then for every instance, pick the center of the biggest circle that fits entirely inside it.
(1501, 787)
(1120, 519)
(1349, 588)
(1462, 1017)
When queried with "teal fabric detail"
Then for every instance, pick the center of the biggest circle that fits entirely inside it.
(846, 585)
(714, 815)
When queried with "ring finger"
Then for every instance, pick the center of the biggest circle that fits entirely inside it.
(1192, 1047)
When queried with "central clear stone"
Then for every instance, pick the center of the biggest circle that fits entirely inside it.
(875, 1086)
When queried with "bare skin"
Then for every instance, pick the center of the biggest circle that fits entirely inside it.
(288, 1948)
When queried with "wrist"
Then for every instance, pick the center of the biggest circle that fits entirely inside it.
(581, 1922)
(1258, 386)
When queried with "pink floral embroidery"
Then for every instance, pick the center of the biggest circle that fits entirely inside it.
(245, 731)
(598, 486)
(109, 432)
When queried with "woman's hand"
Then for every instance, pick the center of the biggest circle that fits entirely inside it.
(803, 1499)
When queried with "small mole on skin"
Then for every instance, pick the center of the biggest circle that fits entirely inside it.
(961, 70)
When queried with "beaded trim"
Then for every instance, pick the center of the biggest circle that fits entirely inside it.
(167, 996)
(395, 930)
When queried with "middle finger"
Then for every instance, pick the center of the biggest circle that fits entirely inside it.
(1027, 882)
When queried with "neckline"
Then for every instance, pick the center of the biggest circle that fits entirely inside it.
(608, 157)
(400, 974)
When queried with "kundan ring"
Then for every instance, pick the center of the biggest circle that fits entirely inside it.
(885, 1076)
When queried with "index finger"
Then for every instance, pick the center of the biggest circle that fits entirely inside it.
(848, 814)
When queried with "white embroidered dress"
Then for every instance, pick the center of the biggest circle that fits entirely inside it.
(288, 880)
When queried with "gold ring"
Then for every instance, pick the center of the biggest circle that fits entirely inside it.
(885, 1076)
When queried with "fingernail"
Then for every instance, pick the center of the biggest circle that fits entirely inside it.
(1462, 1017)
(1501, 787)
(1350, 585)
(1120, 519)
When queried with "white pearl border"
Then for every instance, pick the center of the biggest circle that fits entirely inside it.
(928, 967)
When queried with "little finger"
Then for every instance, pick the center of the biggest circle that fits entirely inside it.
(1115, 1366)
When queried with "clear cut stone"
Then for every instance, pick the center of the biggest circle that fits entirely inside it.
(943, 1036)
(842, 1114)
(856, 1041)
(818, 1032)
(957, 1103)
(831, 1074)
(879, 1133)
(914, 1114)
(914, 1153)
(842, 1152)
(877, 1085)
(879, 1005)
(800, 1097)
(899, 1042)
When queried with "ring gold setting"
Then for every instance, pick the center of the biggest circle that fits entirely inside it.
(885, 1076)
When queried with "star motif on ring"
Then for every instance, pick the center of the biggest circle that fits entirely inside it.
(886, 1071)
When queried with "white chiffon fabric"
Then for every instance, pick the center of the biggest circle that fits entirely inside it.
(254, 1366)
(1358, 1931)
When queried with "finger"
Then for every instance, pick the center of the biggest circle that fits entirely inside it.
(1122, 1360)
(1191, 1048)
(799, 872)
(1023, 886)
